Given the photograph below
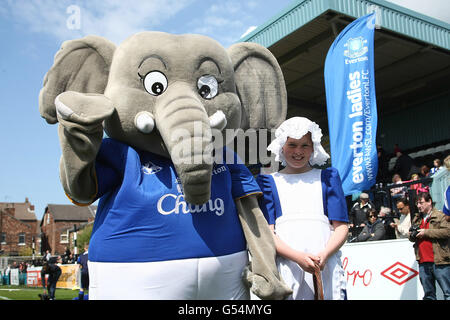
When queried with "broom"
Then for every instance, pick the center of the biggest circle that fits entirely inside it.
(318, 286)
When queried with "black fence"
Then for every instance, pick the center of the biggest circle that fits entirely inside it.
(382, 195)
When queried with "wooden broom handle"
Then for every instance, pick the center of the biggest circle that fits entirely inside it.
(318, 286)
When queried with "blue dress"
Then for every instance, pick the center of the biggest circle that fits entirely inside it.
(301, 206)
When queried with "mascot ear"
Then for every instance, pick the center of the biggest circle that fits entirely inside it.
(80, 65)
(260, 86)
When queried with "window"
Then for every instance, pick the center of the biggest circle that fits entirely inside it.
(48, 218)
(64, 238)
(3, 238)
(21, 239)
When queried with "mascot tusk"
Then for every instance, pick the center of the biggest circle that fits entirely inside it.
(218, 120)
(144, 122)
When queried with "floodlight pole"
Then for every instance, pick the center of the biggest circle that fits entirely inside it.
(33, 247)
(75, 248)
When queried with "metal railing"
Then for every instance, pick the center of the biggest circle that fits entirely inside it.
(382, 193)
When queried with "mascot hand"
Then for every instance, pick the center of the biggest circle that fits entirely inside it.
(81, 117)
(83, 108)
(261, 276)
(265, 289)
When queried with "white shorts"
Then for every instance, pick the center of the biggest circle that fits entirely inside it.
(214, 278)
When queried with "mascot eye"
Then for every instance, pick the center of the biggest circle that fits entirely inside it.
(155, 83)
(207, 87)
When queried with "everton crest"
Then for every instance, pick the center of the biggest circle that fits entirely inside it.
(356, 47)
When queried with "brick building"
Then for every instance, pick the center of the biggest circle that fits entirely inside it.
(19, 227)
(58, 222)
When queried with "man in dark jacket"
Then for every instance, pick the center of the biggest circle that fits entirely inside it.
(360, 210)
(54, 272)
(373, 230)
(383, 166)
(403, 165)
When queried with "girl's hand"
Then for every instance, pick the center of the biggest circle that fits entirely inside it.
(323, 258)
(308, 262)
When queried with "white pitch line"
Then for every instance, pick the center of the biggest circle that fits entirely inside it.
(10, 289)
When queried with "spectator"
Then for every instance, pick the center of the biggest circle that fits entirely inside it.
(424, 171)
(403, 224)
(440, 184)
(8, 270)
(23, 267)
(70, 259)
(383, 166)
(397, 193)
(431, 245)
(47, 255)
(67, 253)
(437, 164)
(414, 177)
(6, 275)
(446, 208)
(373, 230)
(83, 263)
(54, 272)
(419, 187)
(387, 219)
(403, 165)
(359, 211)
(400, 191)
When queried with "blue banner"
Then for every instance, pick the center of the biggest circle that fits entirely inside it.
(351, 105)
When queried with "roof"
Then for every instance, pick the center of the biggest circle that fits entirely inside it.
(14, 218)
(412, 53)
(392, 17)
(22, 210)
(63, 212)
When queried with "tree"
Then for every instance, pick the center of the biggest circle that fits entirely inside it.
(83, 237)
(25, 251)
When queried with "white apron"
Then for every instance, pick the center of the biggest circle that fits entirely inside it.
(304, 227)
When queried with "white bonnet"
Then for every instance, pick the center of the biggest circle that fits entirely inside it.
(296, 128)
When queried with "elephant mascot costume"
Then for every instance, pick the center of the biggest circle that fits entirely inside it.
(171, 223)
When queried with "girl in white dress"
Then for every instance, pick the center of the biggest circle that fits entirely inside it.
(306, 210)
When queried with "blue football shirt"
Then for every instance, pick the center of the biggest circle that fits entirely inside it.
(142, 215)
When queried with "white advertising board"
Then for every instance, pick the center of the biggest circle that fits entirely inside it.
(14, 277)
(382, 270)
(34, 277)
